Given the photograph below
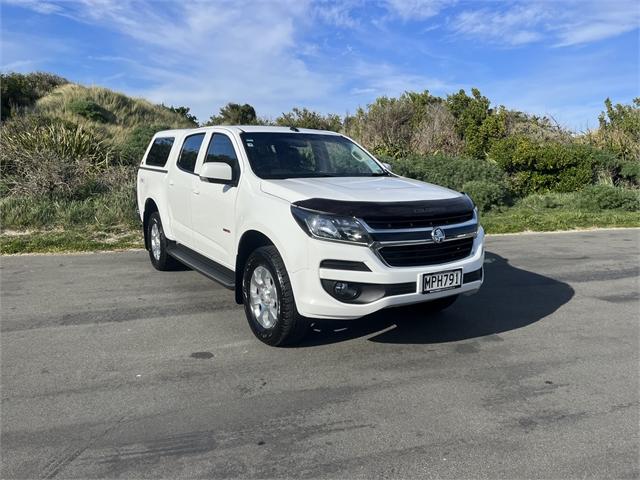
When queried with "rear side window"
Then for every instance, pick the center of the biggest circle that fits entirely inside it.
(189, 152)
(159, 152)
(221, 150)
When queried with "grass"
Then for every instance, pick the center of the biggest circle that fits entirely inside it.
(108, 222)
(115, 209)
(516, 220)
(58, 241)
(555, 211)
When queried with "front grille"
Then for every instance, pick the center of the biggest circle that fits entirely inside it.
(426, 253)
(418, 222)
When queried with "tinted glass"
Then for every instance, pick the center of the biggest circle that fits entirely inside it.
(221, 150)
(159, 152)
(296, 155)
(189, 152)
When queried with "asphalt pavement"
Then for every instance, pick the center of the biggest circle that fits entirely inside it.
(111, 369)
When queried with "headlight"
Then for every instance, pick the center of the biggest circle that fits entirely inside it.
(331, 227)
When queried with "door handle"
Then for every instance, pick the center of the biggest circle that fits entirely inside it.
(171, 183)
(196, 191)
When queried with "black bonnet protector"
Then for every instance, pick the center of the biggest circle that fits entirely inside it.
(391, 211)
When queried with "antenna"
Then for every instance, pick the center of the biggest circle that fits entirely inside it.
(294, 129)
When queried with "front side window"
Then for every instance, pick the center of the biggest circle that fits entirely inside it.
(189, 152)
(300, 155)
(221, 150)
(159, 152)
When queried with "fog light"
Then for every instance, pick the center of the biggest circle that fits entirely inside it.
(346, 291)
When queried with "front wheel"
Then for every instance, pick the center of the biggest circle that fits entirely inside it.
(268, 299)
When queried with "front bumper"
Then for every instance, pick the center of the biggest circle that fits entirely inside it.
(313, 301)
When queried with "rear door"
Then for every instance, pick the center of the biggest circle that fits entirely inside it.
(214, 204)
(182, 182)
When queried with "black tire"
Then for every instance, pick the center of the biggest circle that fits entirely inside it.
(289, 326)
(163, 262)
(439, 304)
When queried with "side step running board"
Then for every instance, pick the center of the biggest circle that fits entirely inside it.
(200, 263)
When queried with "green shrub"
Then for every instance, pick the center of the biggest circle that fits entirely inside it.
(605, 197)
(136, 143)
(451, 172)
(19, 91)
(548, 201)
(486, 195)
(617, 170)
(91, 110)
(305, 118)
(535, 166)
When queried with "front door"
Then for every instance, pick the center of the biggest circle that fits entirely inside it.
(214, 205)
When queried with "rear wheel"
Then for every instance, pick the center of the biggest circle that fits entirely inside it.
(268, 299)
(158, 255)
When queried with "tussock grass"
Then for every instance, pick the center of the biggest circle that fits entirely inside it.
(127, 111)
(115, 209)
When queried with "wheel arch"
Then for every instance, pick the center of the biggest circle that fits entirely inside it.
(250, 240)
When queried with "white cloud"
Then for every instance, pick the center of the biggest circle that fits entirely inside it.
(416, 9)
(205, 54)
(39, 6)
(514, 26)
(570, 22)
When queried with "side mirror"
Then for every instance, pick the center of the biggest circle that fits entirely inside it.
(216, 172)
(387, 166)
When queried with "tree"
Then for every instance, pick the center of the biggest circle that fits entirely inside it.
(305, 118)
(470, 113)
(185, 112)
(619, 134)
(234, 114)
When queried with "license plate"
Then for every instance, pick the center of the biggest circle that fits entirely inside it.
(436, 282)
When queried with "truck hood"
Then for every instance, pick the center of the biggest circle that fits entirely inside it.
(360, 189)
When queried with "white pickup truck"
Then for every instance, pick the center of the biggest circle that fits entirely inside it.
(304, 225)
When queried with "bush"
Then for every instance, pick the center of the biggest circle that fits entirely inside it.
(19, 91)
(616, 170)
(305, 118)
(483, 181)
(605, 197)
(91, 110)
(136, 143)
(548, 201)
(536, 167)
(485, 195)
(43, 156)
(451, 172)
(619, 131)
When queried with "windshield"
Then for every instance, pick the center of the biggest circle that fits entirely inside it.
(304, 155)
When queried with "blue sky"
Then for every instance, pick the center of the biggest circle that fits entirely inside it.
(555, 58)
